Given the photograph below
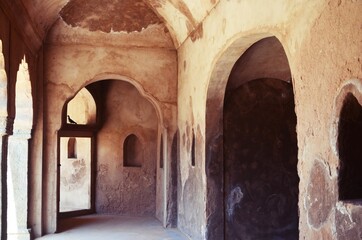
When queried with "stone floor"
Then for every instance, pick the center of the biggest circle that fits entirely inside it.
(109, 227)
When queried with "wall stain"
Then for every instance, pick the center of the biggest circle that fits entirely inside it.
(234, 198)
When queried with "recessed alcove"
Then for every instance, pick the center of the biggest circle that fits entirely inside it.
(72, 148)
(193, 149)
(132, 152)
(161, 151)
(349, 148)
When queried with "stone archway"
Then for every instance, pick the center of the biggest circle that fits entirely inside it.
(56, 97)
(17, 177)
(231, 72)
(125, 151)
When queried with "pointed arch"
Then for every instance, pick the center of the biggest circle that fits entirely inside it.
(3, 85)
(18, 157)
(345, 139)
(23, 99)
(82, 108)
(243, 60)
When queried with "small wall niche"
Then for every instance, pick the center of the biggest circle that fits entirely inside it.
(349, 148)
(193, 150)
(161, 152)
(132, 152)
(72, 148)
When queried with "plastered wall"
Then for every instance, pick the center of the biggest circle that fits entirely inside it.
(322, 41)
(123, 189)
(323, 50)
(69, 66)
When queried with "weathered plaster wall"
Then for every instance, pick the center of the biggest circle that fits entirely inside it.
(323, 46)
(334, 42)
(120, 189)
(148, 65)
(110, 16)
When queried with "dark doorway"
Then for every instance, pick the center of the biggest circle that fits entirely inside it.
(350, 152)
(260, 162)
(260, 147)
(251, 144)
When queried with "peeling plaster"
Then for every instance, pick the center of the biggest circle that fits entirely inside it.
(109, 15)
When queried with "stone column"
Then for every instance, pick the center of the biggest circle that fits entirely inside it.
(17, 182)
(5, 129)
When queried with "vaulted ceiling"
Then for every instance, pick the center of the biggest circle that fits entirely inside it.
(181, 17)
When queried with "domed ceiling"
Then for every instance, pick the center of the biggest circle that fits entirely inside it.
(109, 15)
(181, 17)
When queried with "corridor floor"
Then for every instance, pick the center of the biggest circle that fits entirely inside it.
(113, 227)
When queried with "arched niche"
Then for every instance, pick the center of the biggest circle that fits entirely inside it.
(132, 151)
(346, 137)
(193, 149)
(82, 110)
(161, 152)
(242, 63)
(72, 147)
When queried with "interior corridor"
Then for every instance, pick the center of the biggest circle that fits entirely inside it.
(96, 226)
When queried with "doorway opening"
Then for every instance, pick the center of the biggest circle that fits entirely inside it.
(108, 152)
(260, 160)
(76, 161)
(252, 144)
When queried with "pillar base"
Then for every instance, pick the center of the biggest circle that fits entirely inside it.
(23, 235)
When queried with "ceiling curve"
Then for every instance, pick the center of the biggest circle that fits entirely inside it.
(181, 17)
(109, 15)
